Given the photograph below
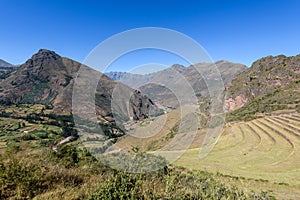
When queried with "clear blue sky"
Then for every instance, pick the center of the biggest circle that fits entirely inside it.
(236, 30)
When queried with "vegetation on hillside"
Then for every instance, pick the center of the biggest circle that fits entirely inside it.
(271, 84)
(74, 174)
(30, 168)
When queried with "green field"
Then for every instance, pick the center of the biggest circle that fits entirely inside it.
(265, 150)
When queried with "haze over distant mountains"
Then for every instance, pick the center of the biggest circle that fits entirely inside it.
(155, 84)
(271, 83)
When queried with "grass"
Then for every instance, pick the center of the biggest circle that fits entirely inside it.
(165, 128)
(48, 175)
(261, 150)
(267, 148)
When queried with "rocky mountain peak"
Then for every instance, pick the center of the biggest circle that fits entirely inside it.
(43, 57)
(44, 54)
(177, 66)
(222, 61)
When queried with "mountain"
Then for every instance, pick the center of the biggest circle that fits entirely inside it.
(5, 69)
(47, 78)
(5, 64)
(271, 83)
(137, 80)
(158, 85)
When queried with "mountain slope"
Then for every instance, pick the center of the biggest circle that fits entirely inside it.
(272, 83)
(5, 69)
(4, 64)
(155, 85)
(48, 78)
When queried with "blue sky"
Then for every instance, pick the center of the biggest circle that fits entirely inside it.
(235, 30)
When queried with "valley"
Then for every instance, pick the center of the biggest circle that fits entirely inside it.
(256, 141)
(150, 100)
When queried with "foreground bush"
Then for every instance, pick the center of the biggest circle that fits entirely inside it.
(62, 175)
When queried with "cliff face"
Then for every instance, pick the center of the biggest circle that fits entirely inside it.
(48, 78)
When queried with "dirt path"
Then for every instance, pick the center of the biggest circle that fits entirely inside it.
(67, 139)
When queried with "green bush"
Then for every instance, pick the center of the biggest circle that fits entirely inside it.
(23, 180)
(119, 186)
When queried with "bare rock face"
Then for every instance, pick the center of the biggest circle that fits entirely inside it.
(48, 78)
(232, 104)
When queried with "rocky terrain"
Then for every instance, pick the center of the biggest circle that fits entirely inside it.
(271, 83)
(47, 78)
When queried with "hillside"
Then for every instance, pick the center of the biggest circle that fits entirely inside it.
(158, 85)
(272, 83)
(265, 150)
(41, 157)
(39, 145)
(4, 64)
(47, 78)
(5, 69)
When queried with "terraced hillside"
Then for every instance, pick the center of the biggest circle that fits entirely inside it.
(263, 149)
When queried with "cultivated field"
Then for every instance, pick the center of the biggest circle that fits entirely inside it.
(265, 150)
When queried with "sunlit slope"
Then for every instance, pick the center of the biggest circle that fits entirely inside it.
(152, 135)
(266, 148)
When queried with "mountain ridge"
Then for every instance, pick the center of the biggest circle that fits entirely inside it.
(5, 64)
(47, 78)
(154, 84)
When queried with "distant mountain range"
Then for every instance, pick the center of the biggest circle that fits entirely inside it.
(5, 64)
(5, 69)
(155, 84)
